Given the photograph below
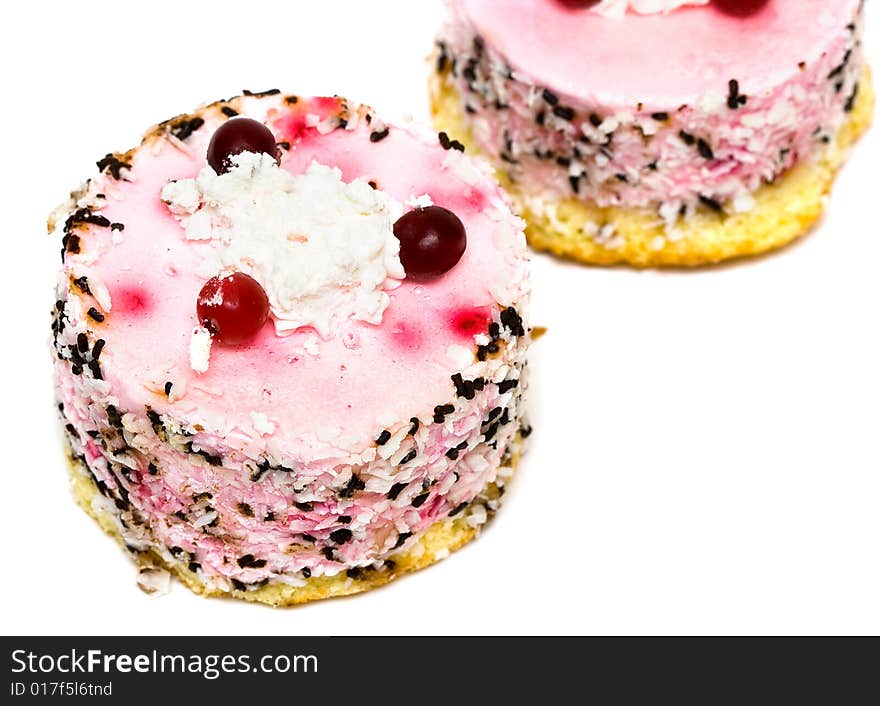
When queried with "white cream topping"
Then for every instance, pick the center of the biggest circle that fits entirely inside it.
(323, 249)
(618, 8)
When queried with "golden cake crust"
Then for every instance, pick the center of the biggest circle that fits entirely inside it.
(784, 210)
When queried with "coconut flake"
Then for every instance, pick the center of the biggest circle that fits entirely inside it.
(153, 581)
(200, 349)
(206, 519)
(322, 248)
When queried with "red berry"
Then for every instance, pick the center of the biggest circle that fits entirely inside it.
(740, 8)
(236, 136)
(233, 307)
(578, 3)
(432, 241)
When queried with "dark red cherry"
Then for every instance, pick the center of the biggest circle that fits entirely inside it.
(432, 241)
(578, 3)
(233, 307)
(740, 8)
(236, 136)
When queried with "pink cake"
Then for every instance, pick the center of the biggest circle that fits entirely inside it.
(365, 425)
(648, 131)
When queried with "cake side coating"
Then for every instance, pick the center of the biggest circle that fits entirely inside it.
(299, 457)
(783, 211)
(669, 139)
(435, 544)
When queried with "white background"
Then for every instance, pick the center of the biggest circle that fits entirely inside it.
(706, 451)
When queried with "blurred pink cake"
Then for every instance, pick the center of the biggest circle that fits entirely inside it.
(291, 358)
(657, 132)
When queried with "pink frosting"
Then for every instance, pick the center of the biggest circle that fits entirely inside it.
(346, 384)
(660, 60)
(289, 436)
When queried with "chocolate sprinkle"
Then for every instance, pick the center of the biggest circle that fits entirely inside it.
(442, 57)
(704, 149)
(440, 412)
(82, 283)
(550, 97)
(353, 485)
(379, 135)
(70, 243)
(182, 129)
(734, 98)
(851, 101)
(260, 94)
(507, 385)
(463, 388)
(111, 163)
(448, 144)
(395, 491)
(212, 459)
(513, 321)
(114, 418)
(711, 204)
(838, 70)
(249, 562)
(85, 215)
(561, 111)
(341, 536)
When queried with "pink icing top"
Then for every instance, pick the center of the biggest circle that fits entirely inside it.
(359, 380)
(699, 48)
